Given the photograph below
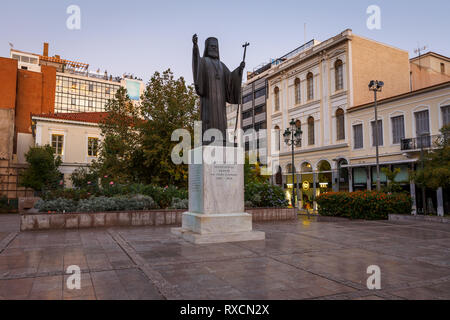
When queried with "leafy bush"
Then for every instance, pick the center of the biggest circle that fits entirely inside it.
(180, 203)
(162, 196)
(5, 206)
(369, 205)
(83, 179)
(56, 205)
(265, 195)
(97, 204)
(72, 194)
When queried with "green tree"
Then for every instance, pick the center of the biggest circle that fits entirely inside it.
(252, 173)
(393, 186)
(168, 104)
(436, 171)
(120, 157)
(42, 173)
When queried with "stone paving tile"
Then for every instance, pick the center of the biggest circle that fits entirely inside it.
(47, 288)
(304, 259)
(15, 289)
(86, 291)
(438, 292)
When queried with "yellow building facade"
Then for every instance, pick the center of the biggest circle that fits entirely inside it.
(322, 89)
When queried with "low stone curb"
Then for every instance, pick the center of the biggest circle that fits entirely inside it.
(53, 221)
(408, 217)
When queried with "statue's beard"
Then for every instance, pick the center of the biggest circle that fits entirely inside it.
(213, 54)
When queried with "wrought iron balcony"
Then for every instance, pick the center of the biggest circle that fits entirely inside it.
(422, 142)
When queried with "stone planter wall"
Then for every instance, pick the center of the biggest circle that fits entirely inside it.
(272, 214)
(410, 217)
(45, 221)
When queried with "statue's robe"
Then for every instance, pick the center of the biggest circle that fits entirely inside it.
(216, 86)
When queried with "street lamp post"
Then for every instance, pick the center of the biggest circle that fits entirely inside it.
(376, 86)
(293, 137)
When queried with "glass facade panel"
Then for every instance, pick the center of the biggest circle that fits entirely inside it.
(78, 95)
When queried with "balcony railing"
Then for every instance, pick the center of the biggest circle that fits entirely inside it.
(422, 142)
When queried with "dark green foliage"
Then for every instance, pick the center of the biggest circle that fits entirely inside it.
(42, 172)
(369, 205)
(83, 178)
(137, 142)
(436, 171)
(5, 205)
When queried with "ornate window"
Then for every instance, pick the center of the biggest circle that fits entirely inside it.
(340, 124)
(310, 84)
(277, 98)
(311, 131)
(339, 75)
(358, 136)
(277, 138)
(298, 95)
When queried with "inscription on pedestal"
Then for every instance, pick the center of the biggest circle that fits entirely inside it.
(196, 188)
(225, 172)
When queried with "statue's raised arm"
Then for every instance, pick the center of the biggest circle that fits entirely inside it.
(195, 61)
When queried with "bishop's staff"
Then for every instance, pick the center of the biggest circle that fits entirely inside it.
(245, 45)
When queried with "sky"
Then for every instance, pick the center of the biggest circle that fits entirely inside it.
(143, 36)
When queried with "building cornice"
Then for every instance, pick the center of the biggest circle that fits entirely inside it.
(331, 147)
(405, 95)
(88, 124)
(316, 50)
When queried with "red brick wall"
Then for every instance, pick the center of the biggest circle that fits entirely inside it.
(8, 81)
(48, 89)
(29, 98)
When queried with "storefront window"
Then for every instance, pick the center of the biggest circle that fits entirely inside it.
(359, 179)
(383, 178)
(307, 187)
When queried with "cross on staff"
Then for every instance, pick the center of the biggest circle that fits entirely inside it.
(245, 45)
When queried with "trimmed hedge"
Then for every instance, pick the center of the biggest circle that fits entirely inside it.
(97, 204)
(368, 205)
(162, 196)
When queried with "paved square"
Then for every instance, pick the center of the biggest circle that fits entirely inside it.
(305, 259)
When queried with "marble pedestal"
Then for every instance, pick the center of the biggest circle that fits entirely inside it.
(216, 198)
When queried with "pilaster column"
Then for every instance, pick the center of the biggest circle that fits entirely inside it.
(369, 178)
(440, 202)
(412, 188)
(314, 191)
(350, 179)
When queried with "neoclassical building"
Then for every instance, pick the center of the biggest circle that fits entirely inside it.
(410, 123)
(317, 88)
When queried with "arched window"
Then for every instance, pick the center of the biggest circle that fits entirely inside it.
(277, 138)
(340, 126)
(277, 98)
(298, 124)
(298, 95)
(279, 177)
(311, 131)
(339, 75)
(310, 84)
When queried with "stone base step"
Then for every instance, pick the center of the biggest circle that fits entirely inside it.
(219, 237)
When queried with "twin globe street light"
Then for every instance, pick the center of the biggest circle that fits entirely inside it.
(376, 86)
(293, 137)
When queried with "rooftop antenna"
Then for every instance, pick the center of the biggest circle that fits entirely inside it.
(419, 52)
(11, 45)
